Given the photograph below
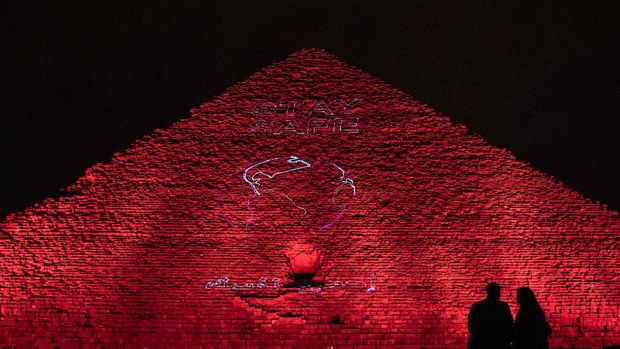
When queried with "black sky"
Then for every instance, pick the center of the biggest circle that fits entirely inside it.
(81, 82)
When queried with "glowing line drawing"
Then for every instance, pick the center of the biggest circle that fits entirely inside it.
(255, 183)
(259, 187)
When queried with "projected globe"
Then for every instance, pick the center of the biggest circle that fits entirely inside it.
(294, 194)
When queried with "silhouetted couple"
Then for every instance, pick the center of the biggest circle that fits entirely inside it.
(491, 327)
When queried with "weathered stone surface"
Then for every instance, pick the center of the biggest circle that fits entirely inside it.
(124, 260)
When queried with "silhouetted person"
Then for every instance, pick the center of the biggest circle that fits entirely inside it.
(531, 328)
(490, 322)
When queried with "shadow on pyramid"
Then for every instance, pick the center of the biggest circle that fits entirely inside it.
(310, 205)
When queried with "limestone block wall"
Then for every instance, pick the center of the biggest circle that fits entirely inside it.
(131, 254)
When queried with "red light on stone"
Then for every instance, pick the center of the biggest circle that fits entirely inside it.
(304, 258)
(124, 260)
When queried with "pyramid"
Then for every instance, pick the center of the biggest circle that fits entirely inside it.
(311, 205)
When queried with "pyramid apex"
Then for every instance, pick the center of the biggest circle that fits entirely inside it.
(313, 54)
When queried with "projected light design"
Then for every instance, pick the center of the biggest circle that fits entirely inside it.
(264, 284)
(299, 194)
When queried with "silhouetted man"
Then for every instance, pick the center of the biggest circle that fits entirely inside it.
(490, 322)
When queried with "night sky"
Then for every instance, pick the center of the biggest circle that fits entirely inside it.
(83, 82)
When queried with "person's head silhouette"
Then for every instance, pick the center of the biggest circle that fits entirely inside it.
(526, 298)
(493, 291)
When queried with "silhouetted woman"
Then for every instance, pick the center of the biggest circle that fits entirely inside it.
(531, 328)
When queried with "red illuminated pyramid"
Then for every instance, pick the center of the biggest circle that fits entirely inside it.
(311, 205)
